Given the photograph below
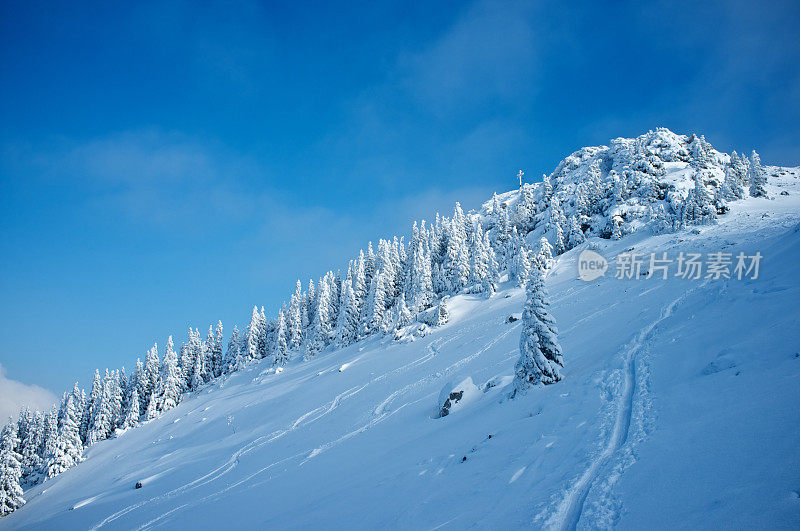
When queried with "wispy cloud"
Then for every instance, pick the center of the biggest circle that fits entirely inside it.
(487, 56)
(161, 179)
(14, 395)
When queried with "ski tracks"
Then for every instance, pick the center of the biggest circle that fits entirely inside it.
(569, 511)
(307, 418)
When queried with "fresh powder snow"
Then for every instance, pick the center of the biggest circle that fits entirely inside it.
(676, 407)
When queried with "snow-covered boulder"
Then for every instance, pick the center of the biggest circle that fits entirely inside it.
(454, 398)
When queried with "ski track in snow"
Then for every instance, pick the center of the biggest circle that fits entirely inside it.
(432, 350)
(569, 511)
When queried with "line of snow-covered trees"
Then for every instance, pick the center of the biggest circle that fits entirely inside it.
(400, 289)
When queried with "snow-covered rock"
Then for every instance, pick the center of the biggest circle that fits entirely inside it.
(455, 398)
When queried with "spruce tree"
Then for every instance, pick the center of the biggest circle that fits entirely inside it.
(133, 410)
(10, 471)
(152, 369)
(376, 303)
(234, 361)
(197, 374)
(404, 316)
(311, 302)
(294, 320)
(185, 361)
(208, 355)
(170, 382)
(67, 450)
(758, 177)
(492, 278)
(576, 236)
(540, 352)
(216, 349)
(520, 262)
(544, 255)
(103, 413)
(253, 331)
(479, 268)
(115, 404)
(732, 185)
(444, 314)
(347, 325)
(421, 291)
(95, 404)
(50, 452)
(30, 432)
(141, 387)
(281, 348)
(322, 327)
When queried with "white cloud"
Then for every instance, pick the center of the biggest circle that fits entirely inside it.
(14, 395)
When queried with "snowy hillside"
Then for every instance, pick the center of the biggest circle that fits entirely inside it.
(677, 406)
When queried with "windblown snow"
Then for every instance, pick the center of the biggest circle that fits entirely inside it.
(678, 407)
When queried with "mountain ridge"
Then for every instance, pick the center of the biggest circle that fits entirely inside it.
(629, 196)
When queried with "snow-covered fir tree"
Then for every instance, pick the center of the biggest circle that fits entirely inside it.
(321, 332)
(347, 324)
(540, 352)
(254, 331)
(294, 320)
(170, 382)
(520, 264)
(234, 360)
(758, 177)
(94, 407)
(30, 431)
(216, 349)
(197, 374)
(66, 450)
(50, 444)
(10, 471)
(280, 351)
(576, 236)
(141, 381)
(152, 370)
(131, 417)
(444, 313)
(421, 289)
(735, 179)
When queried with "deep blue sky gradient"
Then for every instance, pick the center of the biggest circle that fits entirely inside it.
(173, 163)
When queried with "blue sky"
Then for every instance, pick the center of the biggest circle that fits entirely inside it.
(173, 163)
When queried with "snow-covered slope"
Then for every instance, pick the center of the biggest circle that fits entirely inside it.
(678, 409)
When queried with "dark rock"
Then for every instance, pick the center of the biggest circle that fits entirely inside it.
(452, 399)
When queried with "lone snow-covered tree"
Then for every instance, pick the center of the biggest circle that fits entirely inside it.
(539, 350)
(758, 177)
(10, 471)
